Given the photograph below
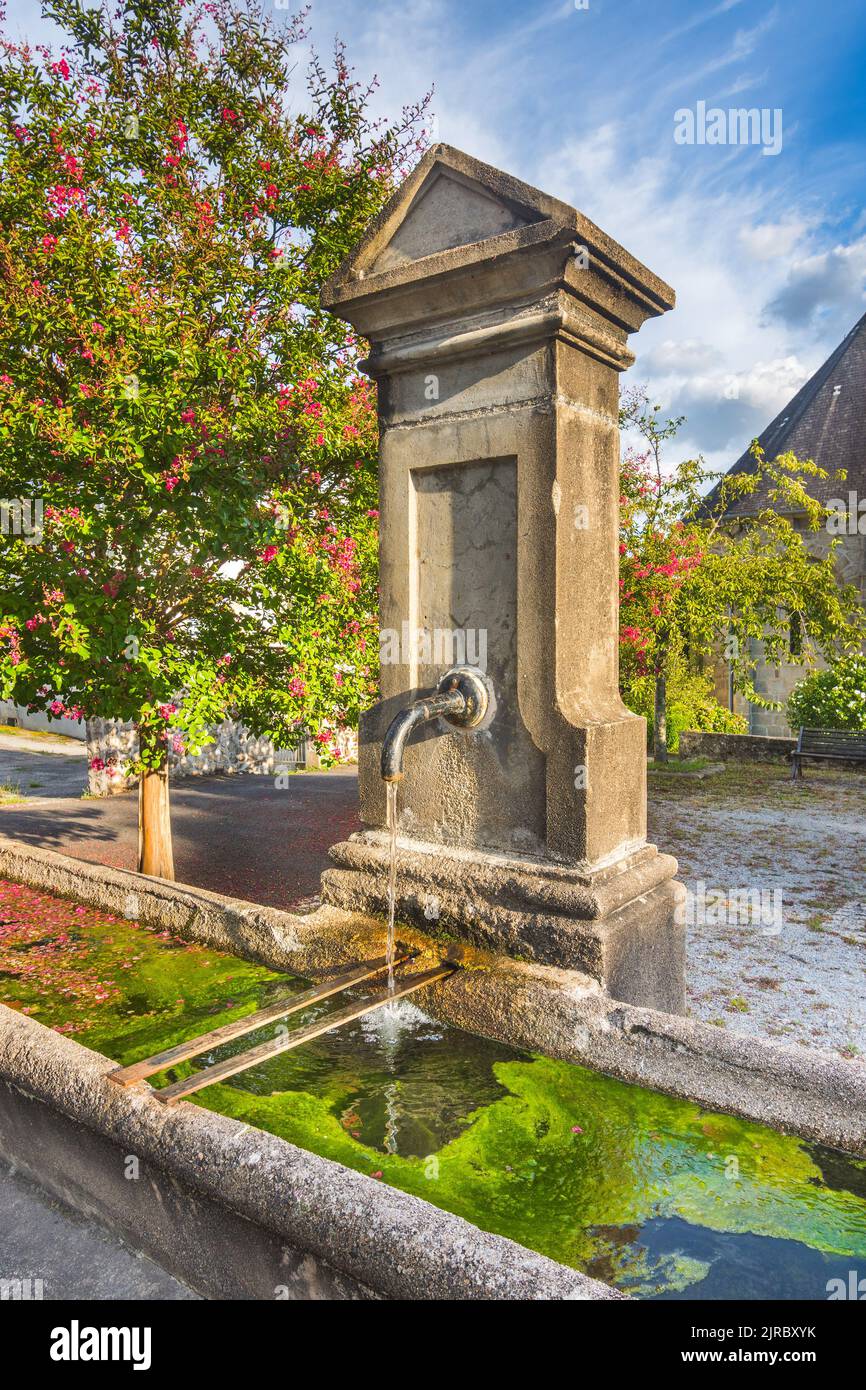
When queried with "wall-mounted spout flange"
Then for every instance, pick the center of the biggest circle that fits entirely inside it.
(461, 698)
(473, 687)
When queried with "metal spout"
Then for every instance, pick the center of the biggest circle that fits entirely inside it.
(461, 698)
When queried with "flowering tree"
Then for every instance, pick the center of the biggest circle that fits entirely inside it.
(694, 584)
(191, 422)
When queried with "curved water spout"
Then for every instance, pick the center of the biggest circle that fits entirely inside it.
(461, 698)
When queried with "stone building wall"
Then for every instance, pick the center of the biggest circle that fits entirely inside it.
(110, 745)
(777, 682)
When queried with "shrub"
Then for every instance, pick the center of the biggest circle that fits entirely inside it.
(831, 699)
(691, 705)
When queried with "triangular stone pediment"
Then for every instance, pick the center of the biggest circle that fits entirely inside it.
(451, 208)
(448, 210)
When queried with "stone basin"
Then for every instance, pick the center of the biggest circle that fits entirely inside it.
(540, 1132)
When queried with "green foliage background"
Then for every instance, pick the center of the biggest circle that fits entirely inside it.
(193, 422)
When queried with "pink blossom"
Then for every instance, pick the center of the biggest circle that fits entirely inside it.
(11, 635)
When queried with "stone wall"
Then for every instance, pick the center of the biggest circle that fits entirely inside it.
(20, 717)
(111, 744)
(749, 748)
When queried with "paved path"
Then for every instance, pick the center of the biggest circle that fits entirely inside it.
(56, 746)
(235, 835)
(41, 1239)
(36, 776)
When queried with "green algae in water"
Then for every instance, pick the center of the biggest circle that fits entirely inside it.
(651, 1193)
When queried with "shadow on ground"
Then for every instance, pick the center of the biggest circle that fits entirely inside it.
(235, 835)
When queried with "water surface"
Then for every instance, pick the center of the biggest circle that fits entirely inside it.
(655, 1195)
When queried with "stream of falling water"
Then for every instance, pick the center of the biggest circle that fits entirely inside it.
(392, 883)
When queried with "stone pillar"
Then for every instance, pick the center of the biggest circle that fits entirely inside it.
(498, 320)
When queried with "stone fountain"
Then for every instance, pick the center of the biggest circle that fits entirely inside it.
(498, 321)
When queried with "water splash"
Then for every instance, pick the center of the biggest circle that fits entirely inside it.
(392, 884)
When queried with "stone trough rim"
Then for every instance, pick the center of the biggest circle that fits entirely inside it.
(796, 1090)
(390, 1243)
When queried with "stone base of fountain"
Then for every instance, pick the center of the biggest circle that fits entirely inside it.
(618, 923)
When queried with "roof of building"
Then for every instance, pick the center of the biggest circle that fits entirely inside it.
(825, 422)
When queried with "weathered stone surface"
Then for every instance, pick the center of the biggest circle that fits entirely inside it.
(498, 320)
(617, 925)
(563, 1013)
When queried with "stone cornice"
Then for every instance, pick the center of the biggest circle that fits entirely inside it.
(562, 321)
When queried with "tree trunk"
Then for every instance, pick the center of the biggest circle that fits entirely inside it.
(660, 722)
(155, 856)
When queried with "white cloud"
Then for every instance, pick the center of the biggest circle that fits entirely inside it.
(769, 240)
(818, 284)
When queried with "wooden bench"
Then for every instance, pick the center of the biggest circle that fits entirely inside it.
(833, 745)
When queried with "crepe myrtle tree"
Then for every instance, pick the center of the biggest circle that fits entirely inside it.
(695, 583)
(191, 422)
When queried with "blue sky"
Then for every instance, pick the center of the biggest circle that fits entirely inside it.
(767, 253)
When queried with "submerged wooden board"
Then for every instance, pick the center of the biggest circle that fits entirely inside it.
(209, 1076)
(289, 1004)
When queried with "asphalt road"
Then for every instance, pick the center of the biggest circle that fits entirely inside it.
(38, 775)
(238, 835)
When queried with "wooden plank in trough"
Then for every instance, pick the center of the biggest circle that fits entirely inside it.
(289, 1004)
(209, 1076)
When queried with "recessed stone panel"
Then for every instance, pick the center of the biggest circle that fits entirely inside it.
(463, 595)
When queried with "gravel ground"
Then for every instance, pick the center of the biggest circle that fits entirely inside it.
(797, 970)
